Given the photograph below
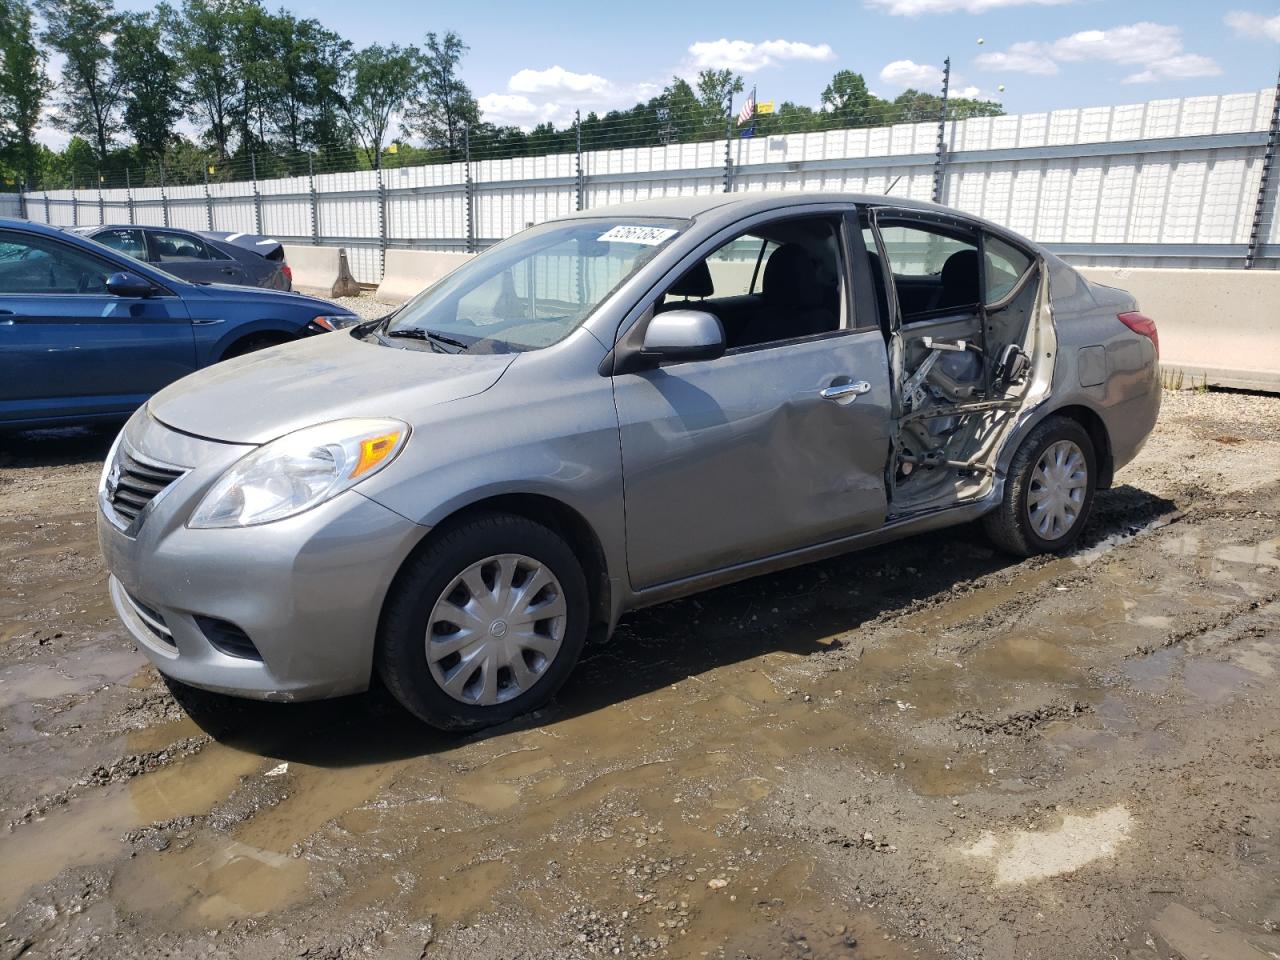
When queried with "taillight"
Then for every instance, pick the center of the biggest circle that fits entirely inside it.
(288, 272)
(1139, 323)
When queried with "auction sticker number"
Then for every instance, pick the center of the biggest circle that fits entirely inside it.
(647, 236)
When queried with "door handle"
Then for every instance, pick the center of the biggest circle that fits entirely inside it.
(229, 271)
(6, 318)
(845, 391)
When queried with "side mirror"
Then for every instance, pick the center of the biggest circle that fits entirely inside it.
(128, 285)
(683, 335)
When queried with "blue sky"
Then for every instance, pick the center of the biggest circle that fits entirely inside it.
(533, 61)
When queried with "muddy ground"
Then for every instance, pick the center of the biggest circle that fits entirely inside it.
(924, 750)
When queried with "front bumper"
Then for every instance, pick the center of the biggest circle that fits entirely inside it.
(306, 591)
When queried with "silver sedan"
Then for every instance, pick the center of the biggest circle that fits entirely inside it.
(603, 412)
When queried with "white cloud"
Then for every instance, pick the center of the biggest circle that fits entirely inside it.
(507, 108)
(1254, 24)
(908, 73)
(917, 8)
(556, 80)
(1026, 57)
(744, 56)
(1155, 47)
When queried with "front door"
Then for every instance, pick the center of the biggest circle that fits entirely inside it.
(69, 348)
(777, 445)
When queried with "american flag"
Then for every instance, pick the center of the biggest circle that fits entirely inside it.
(748, 109)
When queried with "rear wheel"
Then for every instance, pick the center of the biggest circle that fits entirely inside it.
(1049, 491)
(485, 624)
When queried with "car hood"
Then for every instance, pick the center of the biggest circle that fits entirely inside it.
(228, 292)
(264, 395)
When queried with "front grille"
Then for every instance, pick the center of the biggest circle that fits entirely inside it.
(132, 484)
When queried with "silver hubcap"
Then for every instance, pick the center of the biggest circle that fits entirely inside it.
(1058, 484)
(496, 629)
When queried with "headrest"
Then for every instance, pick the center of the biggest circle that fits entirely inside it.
(960, 278)
(695, 283)
(791, 277)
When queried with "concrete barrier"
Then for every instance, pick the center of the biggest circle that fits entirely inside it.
(321, 271)
(406, 272)
(1219, 326)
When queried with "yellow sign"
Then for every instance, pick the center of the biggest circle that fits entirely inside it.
(394, 148)
(764, 106)
(211, 169)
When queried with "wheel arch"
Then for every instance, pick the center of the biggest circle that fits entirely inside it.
(1098, 435)
(561, 518)
(267, 336)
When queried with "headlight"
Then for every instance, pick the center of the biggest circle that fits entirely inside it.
(336, 322)
(299, 471)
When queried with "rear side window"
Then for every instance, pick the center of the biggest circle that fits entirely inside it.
(1005, 265)
(177, 246)
(128, 242)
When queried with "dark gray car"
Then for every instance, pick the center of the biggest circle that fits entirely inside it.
(200, 256)
(607, 411)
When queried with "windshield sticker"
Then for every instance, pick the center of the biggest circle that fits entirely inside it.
(646, 236)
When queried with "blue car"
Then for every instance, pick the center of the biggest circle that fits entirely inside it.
(88, 333)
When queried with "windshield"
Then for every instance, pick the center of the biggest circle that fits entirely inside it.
(534, 289)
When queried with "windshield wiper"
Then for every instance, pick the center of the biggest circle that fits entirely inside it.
(417, 333)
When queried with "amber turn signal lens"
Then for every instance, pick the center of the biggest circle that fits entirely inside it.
(373, 451)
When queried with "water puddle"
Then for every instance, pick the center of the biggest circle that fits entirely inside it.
(89, 829)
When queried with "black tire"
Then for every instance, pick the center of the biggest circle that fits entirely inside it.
(401, 658)
(1009, 526)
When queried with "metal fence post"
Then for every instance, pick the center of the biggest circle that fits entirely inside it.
(315, 206)
(75, 206)
(102, 210)
(46, 207)
(1262, 224)
(578, 185)
(22, 200)
(940, 155)
(164, 198)
(128, 193)
(257, 197)
(728, 141)
(382, 224)
(208, 200)
(468, 190)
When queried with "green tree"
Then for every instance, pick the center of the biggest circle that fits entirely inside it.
(201, 42)
(714, 88)
(310, 60)
(148, 78)
(443, 105)
(848, 103)
(23, 87)
(89, 94)
(379, 82)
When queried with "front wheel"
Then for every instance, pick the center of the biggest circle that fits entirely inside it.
(485, 624)
(1048, 492)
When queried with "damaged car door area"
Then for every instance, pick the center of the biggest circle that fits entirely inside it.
(873, 364)
(777, 444)
(964, 305)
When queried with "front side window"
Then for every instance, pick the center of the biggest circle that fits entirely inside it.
(782, 281)
(128, 242)
(167, 246)
(36, 264)
(532, 290)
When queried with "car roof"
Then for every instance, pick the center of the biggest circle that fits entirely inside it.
(739, 204)
(729, 207)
